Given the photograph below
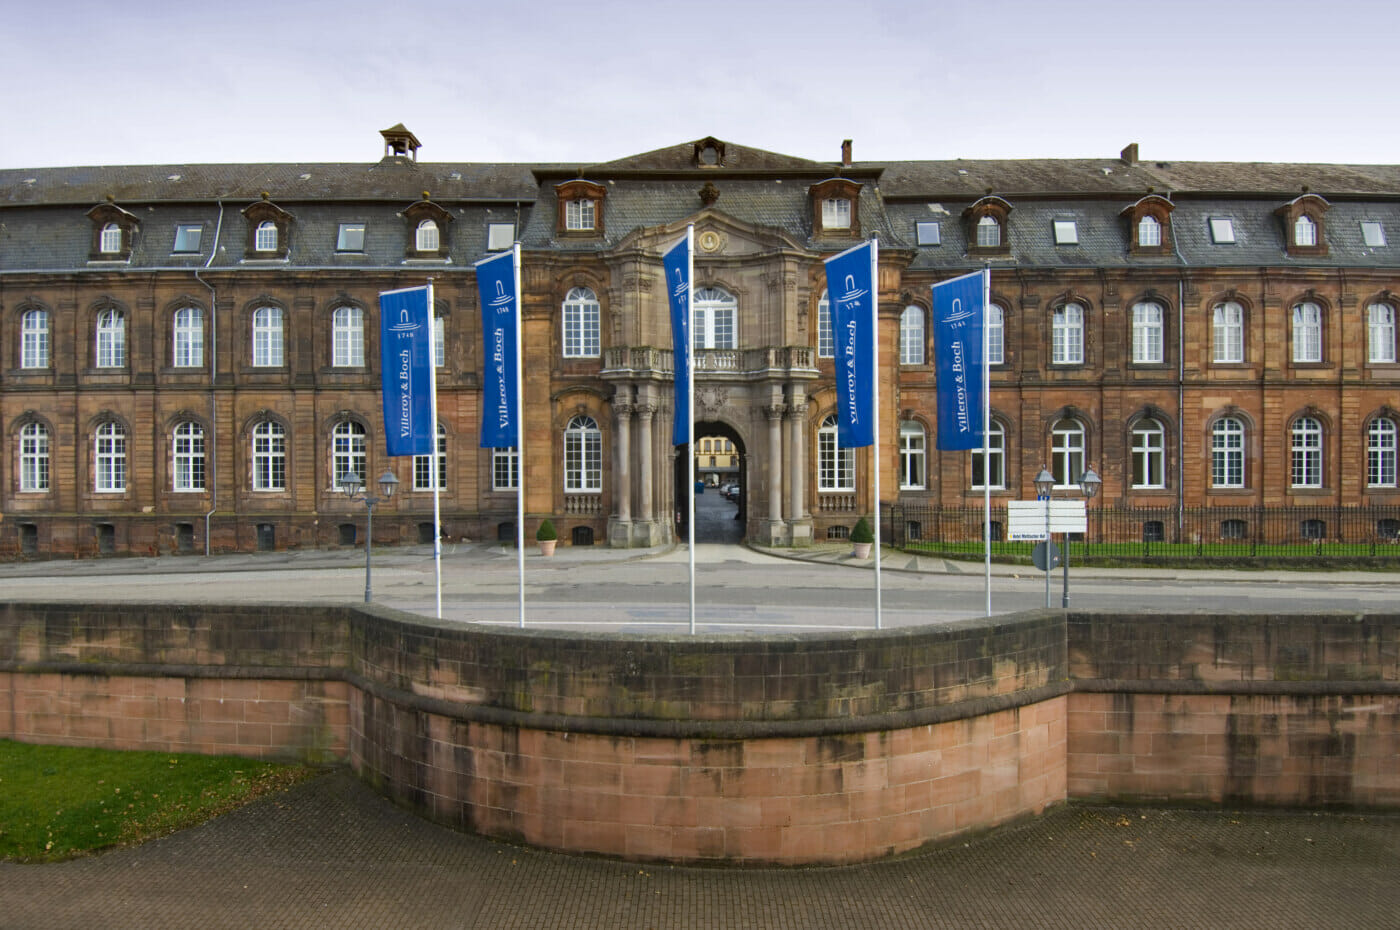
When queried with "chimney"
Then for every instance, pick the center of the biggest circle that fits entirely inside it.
(846, 153)
(1129, 155)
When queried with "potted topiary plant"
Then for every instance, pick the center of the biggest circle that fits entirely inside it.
(546, 537)
(862, 539)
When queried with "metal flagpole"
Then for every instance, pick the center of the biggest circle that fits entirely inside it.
(433, 472)
(519, 434)
(875, 403)
(690, 404)
(986, 441)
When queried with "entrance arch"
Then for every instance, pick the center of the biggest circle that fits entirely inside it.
(717, 519)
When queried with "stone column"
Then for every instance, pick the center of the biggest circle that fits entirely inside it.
(797, 467)
(775, 462)
(622, 484)
(645, 412)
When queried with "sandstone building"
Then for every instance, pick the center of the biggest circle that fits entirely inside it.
(189, 353)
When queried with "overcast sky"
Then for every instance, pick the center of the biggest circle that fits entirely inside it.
(87, 82)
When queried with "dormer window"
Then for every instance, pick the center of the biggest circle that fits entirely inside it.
(1149, 226)
(580, 208)
(427, 237)
(1304, 231)
(1303, 225)
(428, 225)
(110, 242)
(265, 239)
(988, 233)
(269, 230)
(835, 212)
(986, 227)
(1149, 233)
(113, 232)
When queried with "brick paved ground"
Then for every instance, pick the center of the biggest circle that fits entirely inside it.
(333, 854)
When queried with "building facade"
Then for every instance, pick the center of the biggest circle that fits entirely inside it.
(189, 354)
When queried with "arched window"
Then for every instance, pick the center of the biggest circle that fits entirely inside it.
(269, 456)
(267, 337)
(1147, 333)
(1067, 452)
(1307, 332)
(911, 336)
(716, 314)
(1227, 329)
(187, 448)
(348, 452)
(34, 457)
(1149, 454)
(826, 340)
(110, 242)
(988, 233)
(836, 467)
(996, 336)
(1067, 335)
(111, 339)
(34, 339)
(188, 341)
(583, 456)
(1304, 231)
(912, 455)
(1227, 453)
(348, 338)
(1380, 333)
(994, 469)
(1149, 232)
(1380, 453)
(427, 238)
(265, 239)
(109, 458)
(1306, 458)
(582, 316)
(423, 465)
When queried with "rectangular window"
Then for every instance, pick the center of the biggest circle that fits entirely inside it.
(187, 237)
(439, 342)
(826, 341)
(189, 338)
(267, 337)
(1307, 454)
(423, 466)
(1067, 335)
(579, 214)
(350, 238)
(836, 213)
(34, 340)
(1373, 233)
(499, 236)
(1147, 334)
(1381, 453)
(189, 458)
(1380, 325)
(995, 465)
(110, 459)
(505, 469)
(34, 458)
(1222, 230)
(1228, 332)
(911, 459)
(1149, 456)
(1307, 333)
(929, 233)
(1066, 232)
(996, 337)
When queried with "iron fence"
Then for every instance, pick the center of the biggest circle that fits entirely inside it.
(1166, 533)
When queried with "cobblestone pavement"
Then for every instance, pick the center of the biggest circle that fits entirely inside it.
(331, 853)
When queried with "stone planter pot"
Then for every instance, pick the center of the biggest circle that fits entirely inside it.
(862, 550)
(547, 546)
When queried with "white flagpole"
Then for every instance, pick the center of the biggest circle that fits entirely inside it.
(875, 403)
(690, 405)
(519, 432)
(433, 471)
(986, 441)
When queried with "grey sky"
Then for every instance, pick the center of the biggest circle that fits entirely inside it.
(91, 82)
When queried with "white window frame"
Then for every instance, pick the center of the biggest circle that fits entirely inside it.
(34, 458)
(826, 339)
(427, 237)
(188, 235)
(1227, 459)
(1222, 230)
(836, 467)
(1381, 437)
(1067, 335)
(1149, 454)
(34, 339)
(109, 459)
(1068, 441)
(836, 213)
(996, 450)
(269, 456)
(349, 452)
(187, 457)
(423, 465)
(1066, 232)
(913, 457)
(111, 339)
(350, 237)
(1307, 333)
(1305, 445)
(928, 232)
(988, 233)
(110, 240)
(715, 318)
(505, 468)
(1304, 231)
(1148, 333)
(187, 343)
(583, 457)
(348, 338)
(582, 322)
(1380, 334)
(499, 236)
(1373, 234)
(911, 335)
(439, 341)
(996, 335)
(265, 238)
(580, 215)
(268, 338)
(1227, 333)
(1149, 232)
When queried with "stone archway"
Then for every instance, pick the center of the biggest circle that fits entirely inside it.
(718, 518)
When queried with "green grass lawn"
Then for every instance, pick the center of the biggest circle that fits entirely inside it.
(58, 802)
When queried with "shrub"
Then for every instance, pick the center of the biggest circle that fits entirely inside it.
(546, 531)
(861, 533)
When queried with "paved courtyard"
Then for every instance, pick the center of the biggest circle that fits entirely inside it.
(333, 854)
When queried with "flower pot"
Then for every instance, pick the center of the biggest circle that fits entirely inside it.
(862, 550)
(547, 546)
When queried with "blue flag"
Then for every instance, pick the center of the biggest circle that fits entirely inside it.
(850, 290)
(677, 265)
(959, 318)
(405, 359)
(500, 405)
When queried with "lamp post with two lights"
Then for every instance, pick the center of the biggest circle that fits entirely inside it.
(352, 485)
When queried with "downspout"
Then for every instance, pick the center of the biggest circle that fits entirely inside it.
(1180, 383)
(212, 458)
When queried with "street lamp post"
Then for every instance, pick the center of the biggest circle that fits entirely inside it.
(1088, 483)
(1044, 484)
(352, 485)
